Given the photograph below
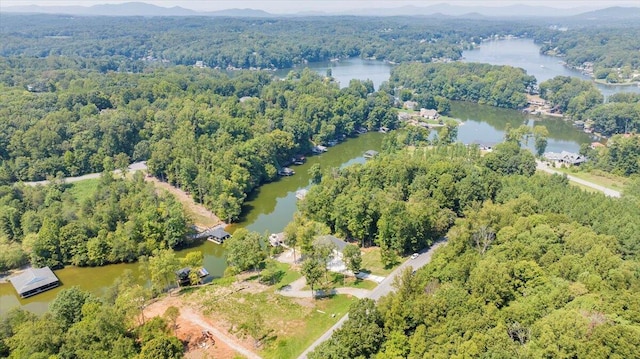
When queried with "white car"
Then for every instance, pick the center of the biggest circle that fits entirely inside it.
(415, 255)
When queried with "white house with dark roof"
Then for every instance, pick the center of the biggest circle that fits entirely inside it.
(565, 157)
(338, 245)
(33, 281)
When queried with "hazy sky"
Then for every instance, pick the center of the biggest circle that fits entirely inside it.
(287, 6)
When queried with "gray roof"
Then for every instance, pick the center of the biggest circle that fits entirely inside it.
(33, 278)
(371, 153)
(329, 239)
(564, 156)
(219, 232)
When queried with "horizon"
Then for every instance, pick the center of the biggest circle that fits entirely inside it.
(327, 6)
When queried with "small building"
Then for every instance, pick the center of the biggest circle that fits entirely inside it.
(370, 154)
(33, 281)
(276, 239)
(335, 242)
(286, 171)
(383, 129)
(362, 130)
(564, 157)
(216, 235)
(429, 114)
(595, 145)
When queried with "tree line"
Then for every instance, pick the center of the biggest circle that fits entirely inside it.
(537, 268)
(120, 221)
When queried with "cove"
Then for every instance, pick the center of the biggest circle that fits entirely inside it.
(524, 53)
(267, 210)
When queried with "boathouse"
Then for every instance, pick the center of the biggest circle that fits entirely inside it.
(33, 281)
(370, 154)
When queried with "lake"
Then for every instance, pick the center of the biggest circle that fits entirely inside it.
(524, 53)
(271, 207)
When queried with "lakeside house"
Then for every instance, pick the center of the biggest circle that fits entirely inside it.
(565, 157)
(337, 245)
(429, 114)
(33, 281)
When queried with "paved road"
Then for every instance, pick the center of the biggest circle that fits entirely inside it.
(295, 290)
(381, 290)
(542, 166)
(134, 167)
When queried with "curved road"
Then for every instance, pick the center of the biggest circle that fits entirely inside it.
(384, 288)
(134, 167)
(607, 191)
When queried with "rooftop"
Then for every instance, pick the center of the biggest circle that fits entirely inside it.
(33, 278)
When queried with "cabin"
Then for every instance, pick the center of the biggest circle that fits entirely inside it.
(33, 281)
(370, 154)
(286, 171)
(182, 275)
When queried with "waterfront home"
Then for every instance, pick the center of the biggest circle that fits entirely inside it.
(319, 149)
(33, 281)
(429, 114)
(276, 239)
(564, 157)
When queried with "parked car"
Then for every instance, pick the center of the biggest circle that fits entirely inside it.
(415, 255)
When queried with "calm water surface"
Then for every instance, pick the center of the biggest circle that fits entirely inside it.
(525, 54)
(271, 207)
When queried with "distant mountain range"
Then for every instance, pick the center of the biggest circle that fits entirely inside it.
(144, 9)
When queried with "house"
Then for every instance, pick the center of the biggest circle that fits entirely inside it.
(200, 64)
(383, 129)
(429, 114)
(182, 275)
(565, 157)
(336, 243)
(298, 159)
(33, 281)
(410, 105)
(362, 130)
(370, 154)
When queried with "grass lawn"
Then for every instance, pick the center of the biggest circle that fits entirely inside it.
(601, 178)
(291, 324)
(82, 190)
(371, 262)
(325, 314)
(339, 280)
(289, 276)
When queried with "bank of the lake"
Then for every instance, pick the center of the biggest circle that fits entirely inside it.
(524, 53)
(267, 210)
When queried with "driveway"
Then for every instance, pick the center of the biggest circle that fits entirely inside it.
(542, 166)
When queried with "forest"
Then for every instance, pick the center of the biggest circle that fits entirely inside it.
(273, 43)
(122, 221)
(581, 100)
(533, 267)
(499, 86)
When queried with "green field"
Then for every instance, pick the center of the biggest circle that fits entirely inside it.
(598, 177)
(83, 190)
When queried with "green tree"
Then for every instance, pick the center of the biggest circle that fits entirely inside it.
(244, 250)
(313, 270)
(67, 307)
(353, 258)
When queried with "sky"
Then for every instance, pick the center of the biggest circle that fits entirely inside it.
(291, 6)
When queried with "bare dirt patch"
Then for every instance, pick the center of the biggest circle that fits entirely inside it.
(201, 216)
(192, 329)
